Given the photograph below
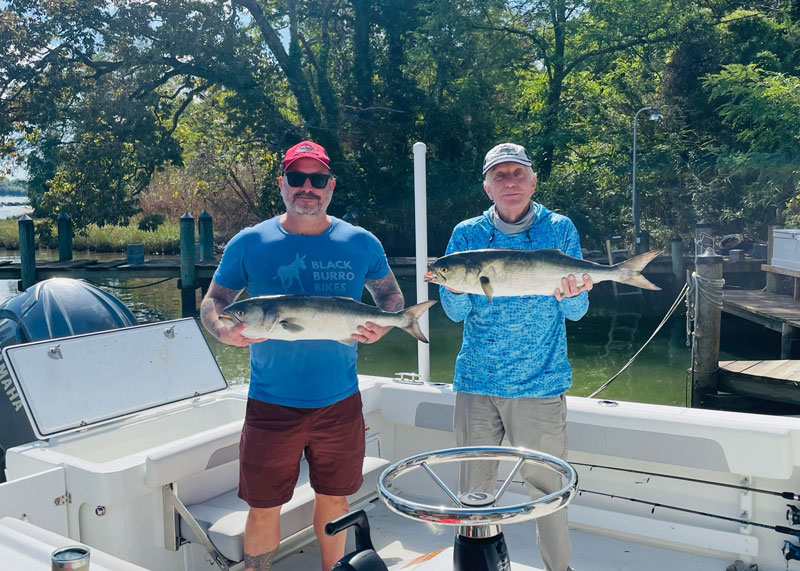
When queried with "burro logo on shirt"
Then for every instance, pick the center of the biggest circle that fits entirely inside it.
(332, 270)
(331, 276)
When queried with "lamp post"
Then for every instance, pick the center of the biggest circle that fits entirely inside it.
(637, 238)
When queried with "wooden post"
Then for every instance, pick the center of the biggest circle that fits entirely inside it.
(187, 283)
(678, 269)
(773, 279)
(27, 253)
(205, 229)
(787, 332)
(706, 331)
(64, 237)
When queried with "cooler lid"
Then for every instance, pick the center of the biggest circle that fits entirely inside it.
(73, 382)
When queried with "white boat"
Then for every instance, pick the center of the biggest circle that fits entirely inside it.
(136, 457)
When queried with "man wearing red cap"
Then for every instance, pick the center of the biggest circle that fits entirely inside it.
(303, 395)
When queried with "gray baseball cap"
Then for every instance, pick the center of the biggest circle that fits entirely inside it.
(506, 153)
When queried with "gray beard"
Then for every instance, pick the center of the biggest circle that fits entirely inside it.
(295, 208)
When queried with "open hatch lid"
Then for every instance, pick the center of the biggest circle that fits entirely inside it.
(70, 383)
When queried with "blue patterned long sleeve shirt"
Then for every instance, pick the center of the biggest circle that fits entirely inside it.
(514, 346)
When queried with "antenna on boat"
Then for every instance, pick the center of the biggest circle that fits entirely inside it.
(421, 240)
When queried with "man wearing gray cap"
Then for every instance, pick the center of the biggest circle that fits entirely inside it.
(512, 371)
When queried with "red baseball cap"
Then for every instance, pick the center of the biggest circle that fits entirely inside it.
(306, 149)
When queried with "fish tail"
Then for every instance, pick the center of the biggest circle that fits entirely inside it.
(412, 315)
(630, 270)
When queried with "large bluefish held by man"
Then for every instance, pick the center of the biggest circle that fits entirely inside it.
(296, 317)
(503, 273)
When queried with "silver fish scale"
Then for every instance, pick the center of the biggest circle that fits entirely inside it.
(523, 272)
(292, 318)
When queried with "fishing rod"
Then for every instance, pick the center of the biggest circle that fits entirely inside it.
(778, 528)
(786, 495)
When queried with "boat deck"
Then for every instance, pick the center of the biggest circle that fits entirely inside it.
(398, 539)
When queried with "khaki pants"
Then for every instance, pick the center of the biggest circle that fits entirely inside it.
(537, 424)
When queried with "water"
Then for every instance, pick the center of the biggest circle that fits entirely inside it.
(12, 206)
(599, 344)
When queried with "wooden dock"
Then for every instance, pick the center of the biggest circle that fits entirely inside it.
(162, 267)
(774, 311)
(776, 380)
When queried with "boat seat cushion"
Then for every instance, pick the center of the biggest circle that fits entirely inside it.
(223, 517)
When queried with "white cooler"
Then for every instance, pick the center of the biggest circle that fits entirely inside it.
(786, 248)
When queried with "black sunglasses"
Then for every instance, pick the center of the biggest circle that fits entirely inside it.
(297, 179)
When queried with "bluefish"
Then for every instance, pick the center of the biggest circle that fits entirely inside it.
(296, 317)
(504, 273)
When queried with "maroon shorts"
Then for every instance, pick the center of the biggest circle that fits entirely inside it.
(274, 438)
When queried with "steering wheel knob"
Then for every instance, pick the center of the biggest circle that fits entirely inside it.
(476, 499)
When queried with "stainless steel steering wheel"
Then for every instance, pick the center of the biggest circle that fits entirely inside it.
(462, 514)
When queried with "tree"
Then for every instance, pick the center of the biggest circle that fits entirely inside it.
(562, 39)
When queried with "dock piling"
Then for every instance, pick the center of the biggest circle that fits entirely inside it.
(187, 283)
(205, 229)
(708, 316)
(64, 237)
(27, 253)
(678, 267)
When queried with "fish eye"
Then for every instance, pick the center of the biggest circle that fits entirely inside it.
(240, 313)
(444, 270)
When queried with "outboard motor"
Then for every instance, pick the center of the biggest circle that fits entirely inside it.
(57, 307)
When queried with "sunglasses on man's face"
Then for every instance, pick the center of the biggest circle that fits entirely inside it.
(297, 179)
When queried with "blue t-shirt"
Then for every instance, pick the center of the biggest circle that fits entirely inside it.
(267, 260)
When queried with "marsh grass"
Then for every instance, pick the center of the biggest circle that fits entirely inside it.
(163, 240)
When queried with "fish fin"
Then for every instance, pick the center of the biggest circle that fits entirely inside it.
(349, 341)
(633, 268)
(486, 286)
(412, 315)
(291, 327)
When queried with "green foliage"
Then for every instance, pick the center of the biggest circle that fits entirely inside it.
(9, 187)
(43, 232)
(124, 107)
(164, 240)
(151, 222)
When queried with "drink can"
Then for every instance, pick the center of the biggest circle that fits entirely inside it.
(72, 557)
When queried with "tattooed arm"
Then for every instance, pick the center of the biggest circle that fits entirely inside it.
(387, 295)
(216, 299)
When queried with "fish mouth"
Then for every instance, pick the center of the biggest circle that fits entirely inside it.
(432, 275)
(226, 317)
